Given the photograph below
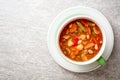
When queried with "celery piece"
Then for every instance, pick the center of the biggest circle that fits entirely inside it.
(81, 27)
(91, 24)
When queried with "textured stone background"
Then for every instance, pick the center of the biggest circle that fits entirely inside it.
(23, 48)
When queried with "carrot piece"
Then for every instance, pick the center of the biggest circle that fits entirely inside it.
(86, 25)
(84, 57)
(73, 28)
(76, 52)
(89, 45)
(89, 31)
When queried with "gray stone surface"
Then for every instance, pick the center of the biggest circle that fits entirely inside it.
(23, 48)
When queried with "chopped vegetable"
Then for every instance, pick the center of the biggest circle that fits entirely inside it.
(66, 36)
(80, 41)
(81, 27)
(89, 45)
(86, 25)
(84, 57)
(70, 25)
(65, 52)
(83, 37)
(91, 24)
(76, 52)
(84, 42)
(70, 42)
(79, 30)
(88, 37)
(90, 51)
(73, 28)
(94, 34)
(72, 56)
(96, 46)
(67, 32)
(80, 47)
(68, 50)
(85, 52)
(89, 31)
(95, 30)
(76, 41)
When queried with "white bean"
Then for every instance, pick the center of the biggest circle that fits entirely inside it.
(70, 43)
(96, 46)
(80, 47)
(83, 37)
(80, 41)
(90, 51)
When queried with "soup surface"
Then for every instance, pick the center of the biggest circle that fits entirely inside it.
(80, 40)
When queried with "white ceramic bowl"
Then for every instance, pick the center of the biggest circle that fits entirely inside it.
(72, 18)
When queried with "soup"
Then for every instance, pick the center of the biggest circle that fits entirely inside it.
(81, 40)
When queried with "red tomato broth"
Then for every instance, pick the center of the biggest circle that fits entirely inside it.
(81, 40)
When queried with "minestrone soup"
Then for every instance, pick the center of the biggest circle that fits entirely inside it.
(81, 40)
